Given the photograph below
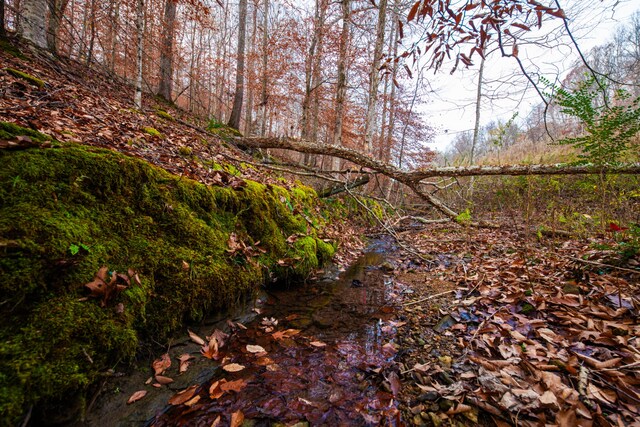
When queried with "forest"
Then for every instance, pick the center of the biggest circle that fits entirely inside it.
(351, 212)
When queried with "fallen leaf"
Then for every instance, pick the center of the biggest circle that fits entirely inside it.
(210, 350)
(255, 349)
(237, 418)
(163, 380)
(394, 382)
(184, 362)
(285, 334)
(236, 385)
(162, 364)
(137, 396)
(215, 391)
(195, 399)
(195, 338)
(183, 396)
(233, 367)
(216, 422)
(318, 344)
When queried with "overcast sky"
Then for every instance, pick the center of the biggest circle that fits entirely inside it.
(452, 104)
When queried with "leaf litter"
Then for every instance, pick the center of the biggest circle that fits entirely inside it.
(530, 337)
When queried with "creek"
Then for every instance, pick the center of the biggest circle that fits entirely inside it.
(328, 359)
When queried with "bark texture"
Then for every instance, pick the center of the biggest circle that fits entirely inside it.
(236, 112)
(166, 54)
(32, 25)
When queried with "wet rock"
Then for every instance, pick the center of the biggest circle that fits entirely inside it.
(435, 419)
(571, 288)
(417, 409)
(387, 266)
(445, 323)
(428, 396)
(418, 421)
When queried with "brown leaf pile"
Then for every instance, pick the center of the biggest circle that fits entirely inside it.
(545, 341)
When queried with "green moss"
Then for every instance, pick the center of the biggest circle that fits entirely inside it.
(185, 151)
(27, 77)
(7, 47)
(163, 114)
(11, 130)
(153, 132)
(126, 214)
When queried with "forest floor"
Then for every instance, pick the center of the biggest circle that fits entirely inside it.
(505, 329)
(492, 328)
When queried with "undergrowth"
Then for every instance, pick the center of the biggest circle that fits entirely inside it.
(67, 211)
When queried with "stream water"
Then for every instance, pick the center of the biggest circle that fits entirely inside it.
(327, 360)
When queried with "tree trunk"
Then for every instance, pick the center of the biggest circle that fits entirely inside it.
(56, 12)
(265, 57)
(374, 77)
(137, 100)
(341, 88)
(3, 33)
(311, 102)
(114, 13)
(248, 125)
(392, 97)
(236, 112)
(476, 126)
(32, 23)
(92, 32)
(165, 88)
(316, 74)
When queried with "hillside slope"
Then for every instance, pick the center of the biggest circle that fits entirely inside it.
(163, 223)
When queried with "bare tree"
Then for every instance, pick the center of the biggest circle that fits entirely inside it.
(166, 52)
(374, 76)
(137, 100)
(236, 112)
(341, 88)
(265, 57)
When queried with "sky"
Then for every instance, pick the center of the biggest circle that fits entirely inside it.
(451, 106)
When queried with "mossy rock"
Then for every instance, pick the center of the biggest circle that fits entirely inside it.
(152, 131)
(163, 114)
(27, 77)
(69, 210)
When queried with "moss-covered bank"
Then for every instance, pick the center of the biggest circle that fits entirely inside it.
(68, 210)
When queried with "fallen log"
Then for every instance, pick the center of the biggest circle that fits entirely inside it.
(412, 179)
(337, 189)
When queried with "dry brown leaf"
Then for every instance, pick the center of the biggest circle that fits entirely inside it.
(318, 344)
(195, 338)
(162, 364)
(216, 422)
(215, 392)
(163, 380)
(210, 350)
(237, 418)
(184, 362)
(236, 385)
(233, 367)
(183, 396)
(137, 396)
(195, 399)
(255, 349)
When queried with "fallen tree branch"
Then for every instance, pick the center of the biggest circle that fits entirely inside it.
(340, 188)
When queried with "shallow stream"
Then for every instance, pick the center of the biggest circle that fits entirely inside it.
(327, 360)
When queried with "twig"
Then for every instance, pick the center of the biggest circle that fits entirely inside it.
(429, 297)
(599, 264)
